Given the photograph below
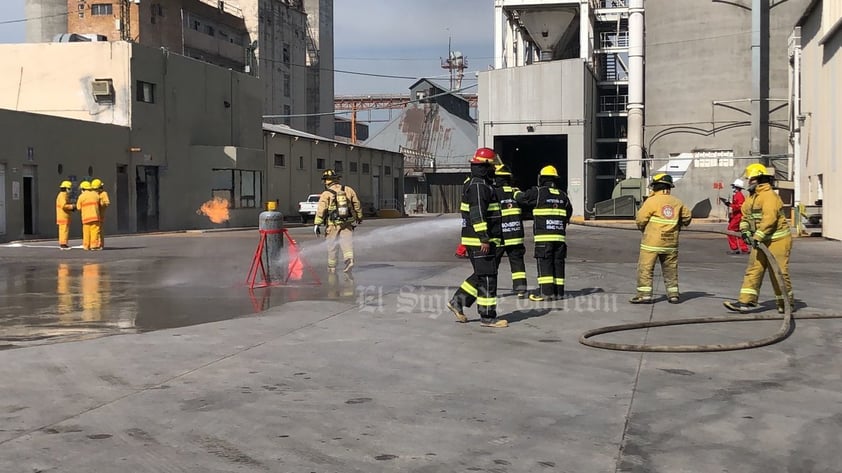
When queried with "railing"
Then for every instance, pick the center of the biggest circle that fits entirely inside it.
(613, 4)
(613, 39)
(613, 103)
(225, 7)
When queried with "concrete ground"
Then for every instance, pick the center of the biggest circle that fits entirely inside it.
(375, 375)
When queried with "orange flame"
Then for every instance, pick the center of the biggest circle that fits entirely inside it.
(215, 209)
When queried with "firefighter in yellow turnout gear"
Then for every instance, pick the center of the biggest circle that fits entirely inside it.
(660, 218)
(481, 233)
(763, 223)
(63, 208)
(339, 210)
(88, 205)
(512, 224)
(104, 202)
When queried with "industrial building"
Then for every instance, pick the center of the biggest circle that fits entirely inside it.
(288, 44)
(163, 142)
(816, 101)
(437, 136)
(570, 88)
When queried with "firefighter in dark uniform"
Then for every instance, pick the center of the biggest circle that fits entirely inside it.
(512, 228)
(481, 233)
(550, 218)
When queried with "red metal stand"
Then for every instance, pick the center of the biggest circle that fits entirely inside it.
(295, 263)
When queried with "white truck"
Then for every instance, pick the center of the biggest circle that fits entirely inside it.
(307, 209)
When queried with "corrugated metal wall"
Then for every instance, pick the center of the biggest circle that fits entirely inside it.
(444, 192)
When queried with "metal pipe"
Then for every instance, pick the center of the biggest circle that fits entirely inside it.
(796, 122)
(499, 24)
(759, 10)
(634, 147)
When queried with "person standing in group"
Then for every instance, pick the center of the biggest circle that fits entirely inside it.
(735, 215)
(339, 210)
(512, 224)
(660, 218)
(88, 205)
(551, 214)
(481, 233)
(63, 209)
(763, 223)
(104, 202)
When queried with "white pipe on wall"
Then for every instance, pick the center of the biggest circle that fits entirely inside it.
(499, 25)
(634, 150)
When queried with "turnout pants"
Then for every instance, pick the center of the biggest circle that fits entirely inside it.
(550, 257)
(63, 233)
(342, 236)
(90, 235)
(757, 266)
(516, 254)
(481, 286)
(646, 266)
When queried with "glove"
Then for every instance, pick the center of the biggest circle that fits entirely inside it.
(755, 243)
(317, 230)
(746, 236)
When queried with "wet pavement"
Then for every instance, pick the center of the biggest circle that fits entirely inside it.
(373, 374)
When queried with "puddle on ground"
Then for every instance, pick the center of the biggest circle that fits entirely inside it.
(43, 302)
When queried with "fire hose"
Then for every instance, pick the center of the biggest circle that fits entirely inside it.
(785, 330)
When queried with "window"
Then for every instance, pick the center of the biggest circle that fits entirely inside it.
(209, 30)
(280, 161)
(337, 166)
(301, 162)
(352, 166)
(387, 170)
(366, 168)
(286, 53)
(286, 85)
(196, 25)
(320, 163)
(101, 9)
(145, 92)
(287, 112)
(242, 189)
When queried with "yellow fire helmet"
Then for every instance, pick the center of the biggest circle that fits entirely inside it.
(65, 185)
(755, 170)
(502, 170)
(549, 171)
(85, 186)
(330, 175)
(662, 178)
(96, 184)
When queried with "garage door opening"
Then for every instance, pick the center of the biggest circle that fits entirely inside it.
(525, 155)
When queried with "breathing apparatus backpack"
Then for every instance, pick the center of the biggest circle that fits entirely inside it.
(342, 212)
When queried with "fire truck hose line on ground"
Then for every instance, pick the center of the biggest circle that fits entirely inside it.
(786, 329)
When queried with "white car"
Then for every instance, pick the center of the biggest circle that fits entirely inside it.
(307, 209)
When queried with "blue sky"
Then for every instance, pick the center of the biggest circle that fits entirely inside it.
(396, 37)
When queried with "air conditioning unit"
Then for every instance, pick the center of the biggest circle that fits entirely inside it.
(102, 90)
(101, 87)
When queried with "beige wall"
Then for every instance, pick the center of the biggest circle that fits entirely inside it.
(291, 184)
(75, 146)
(821, 143)
(55, 79)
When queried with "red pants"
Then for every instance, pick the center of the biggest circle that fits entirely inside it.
(733, 241)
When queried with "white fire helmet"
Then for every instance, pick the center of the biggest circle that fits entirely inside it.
(739, 184)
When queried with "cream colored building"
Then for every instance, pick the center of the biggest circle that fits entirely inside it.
(163, 131)
(820, 132)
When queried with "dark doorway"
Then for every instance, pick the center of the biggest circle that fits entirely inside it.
(146, 186)
(28, 205)
(527, 154)
(122, 198)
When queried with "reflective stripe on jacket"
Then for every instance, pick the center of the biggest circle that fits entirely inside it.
(763, 215)
(511, 214)
(63, 209)
(481, 219)
(88, 205)
(660, 218)
(551, 214)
